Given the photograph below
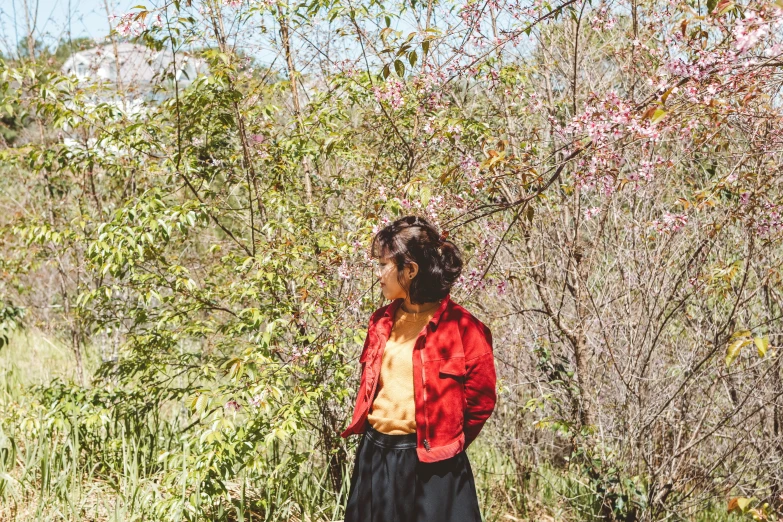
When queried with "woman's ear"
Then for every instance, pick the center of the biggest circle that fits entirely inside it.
(412, 269)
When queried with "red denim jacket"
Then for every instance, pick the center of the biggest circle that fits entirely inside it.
(453, 378)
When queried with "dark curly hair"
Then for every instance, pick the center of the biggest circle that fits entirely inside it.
(413, 238)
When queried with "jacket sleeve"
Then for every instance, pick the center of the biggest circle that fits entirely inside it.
(480, 379)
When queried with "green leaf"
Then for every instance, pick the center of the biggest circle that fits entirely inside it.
(740, 333)
(236, 369)
(425, 46)
(658, 115)
(412, 58)
(724, 6)
(529, 213)
(399, 68)
(425, 195)
(762, 343)
(734, 349)
(201, 403)
(739, 505)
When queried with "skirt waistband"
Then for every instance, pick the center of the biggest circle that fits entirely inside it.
(407, 441)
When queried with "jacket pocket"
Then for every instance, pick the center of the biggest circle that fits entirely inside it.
(455, 366)
(446, 394)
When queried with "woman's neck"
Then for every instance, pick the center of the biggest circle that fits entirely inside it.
(410, 308)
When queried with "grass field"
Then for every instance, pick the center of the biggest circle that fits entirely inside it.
(49, 472)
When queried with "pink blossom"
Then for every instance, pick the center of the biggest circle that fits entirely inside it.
(602, 20)
(670, 223)
(774, 50)
(434, 206)
(298, 352)
(128, 24)
(391, 92)
(590, 213)
(344, 270)
(468, 164)
(749, 31)
(258, 400)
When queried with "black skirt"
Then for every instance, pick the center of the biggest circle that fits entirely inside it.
(389, 484)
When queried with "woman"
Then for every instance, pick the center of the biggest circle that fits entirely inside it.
(427, 386)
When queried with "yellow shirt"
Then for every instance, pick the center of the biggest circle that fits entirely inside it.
(394, 410)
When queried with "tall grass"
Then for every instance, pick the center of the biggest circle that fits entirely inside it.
(58, 463)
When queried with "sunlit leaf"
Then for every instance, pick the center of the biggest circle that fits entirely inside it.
(762, 343)
(658, 115)
(739, 505)
(734, 349)
(399, 68)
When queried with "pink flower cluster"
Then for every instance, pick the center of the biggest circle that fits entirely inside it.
(772, 221)
(383, 222)
(670, 223)
(258, 400)
(748, 31)
(646, 169)
(471, 14)
(299, 352)
(470, 167)
(346, 67)
(128, 24)
(344, 271)
(602, 20)
(435, 205)
(391, 92)
(473, 280)
(606, 121)
(590, 213)
(706, 63)
(428, 86)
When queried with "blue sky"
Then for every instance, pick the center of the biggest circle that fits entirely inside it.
(55, 18)
(59, 19)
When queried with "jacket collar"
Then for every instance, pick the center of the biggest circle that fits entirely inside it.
(391, 309)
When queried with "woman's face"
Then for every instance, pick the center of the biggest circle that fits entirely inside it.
(386, 271)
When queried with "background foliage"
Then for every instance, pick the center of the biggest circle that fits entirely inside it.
(184, 283)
